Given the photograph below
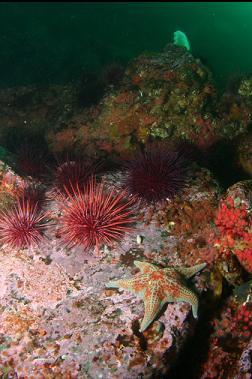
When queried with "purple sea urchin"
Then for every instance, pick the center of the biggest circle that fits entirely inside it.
(94, 216)
(155, 174)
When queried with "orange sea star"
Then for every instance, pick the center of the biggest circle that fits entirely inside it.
(157, 286)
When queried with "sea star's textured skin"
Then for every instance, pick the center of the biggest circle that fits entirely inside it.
(157, 286)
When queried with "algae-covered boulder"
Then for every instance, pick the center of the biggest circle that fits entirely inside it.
(244, 153)
(167, 95)
(162, 95)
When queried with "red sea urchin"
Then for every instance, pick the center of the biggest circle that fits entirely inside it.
(156, 173)
(31, 192)
(31, 161)
(72, 174)
(23, 225)
(94, 216)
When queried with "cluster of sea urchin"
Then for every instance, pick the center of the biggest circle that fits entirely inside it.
(94, 216)
(91, 215)
(156, 173)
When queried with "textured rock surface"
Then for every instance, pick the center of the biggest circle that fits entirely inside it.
(162, 95)
(230, 342)
(244, 153)
(58, 318)
(234, 228)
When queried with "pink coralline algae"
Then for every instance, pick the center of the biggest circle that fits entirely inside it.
(234, 223)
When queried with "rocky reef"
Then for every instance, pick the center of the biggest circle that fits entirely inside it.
(58, 317)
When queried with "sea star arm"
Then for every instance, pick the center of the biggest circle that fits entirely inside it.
(152, 306)
(134, 285)
(186, 295)
(188, 272)
(145, 267)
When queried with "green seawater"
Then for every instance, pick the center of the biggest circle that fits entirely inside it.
(56, 42)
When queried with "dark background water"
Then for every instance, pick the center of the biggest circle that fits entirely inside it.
(56, 42)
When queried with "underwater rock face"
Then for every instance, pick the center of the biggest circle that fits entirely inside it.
(230, 342)
(59, 320)
(162, 95)
(167, 94)
(233, 220)
(244, 153)
(34, 104)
